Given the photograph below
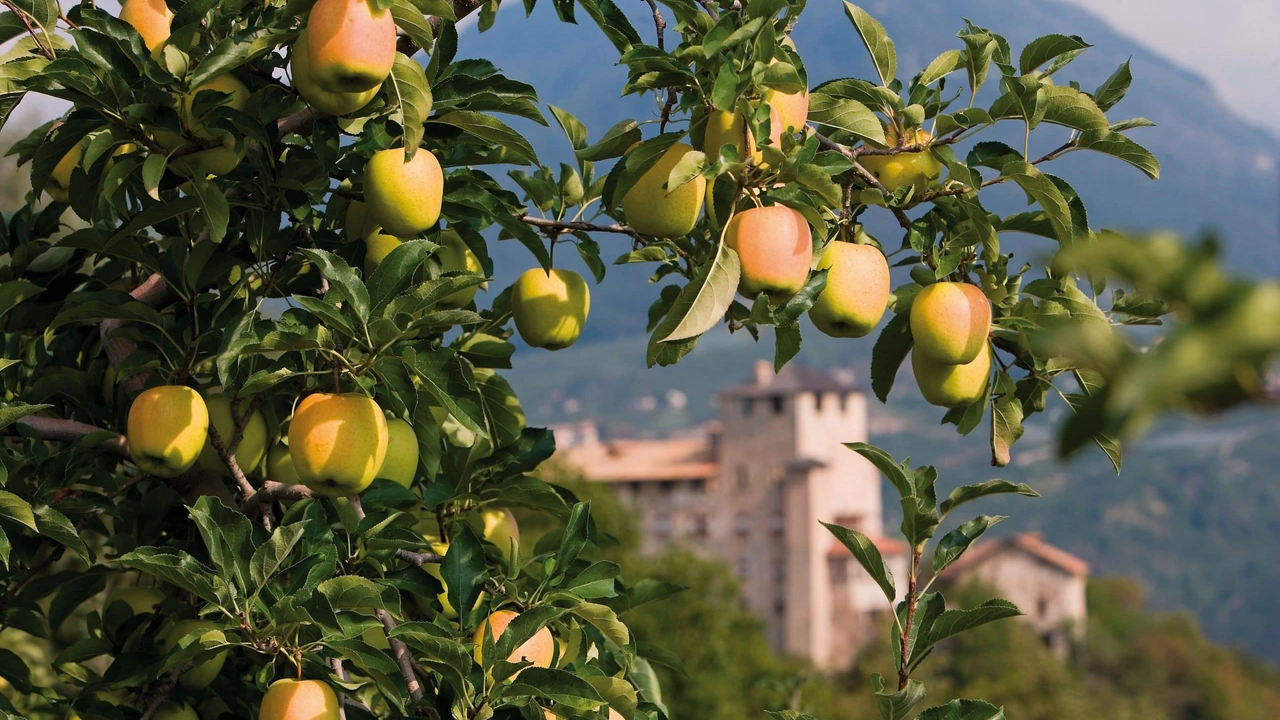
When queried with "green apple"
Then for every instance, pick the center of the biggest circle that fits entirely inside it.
(952, 385)
(500, 528)
(216, 160)
(280, 465)
(652, 209)
(401, 462)
(139, 599)
(174, 711)
(167, 428)
(202, 673)
(404, 198)
(455, 256)
(377, 246)
(857, 290)
(550, 309)
(919, 168)
(253, 441)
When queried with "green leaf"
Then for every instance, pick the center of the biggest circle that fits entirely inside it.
(888, 354)
(174, 567)
(1113, 89)
(16, 509)
(953, 544)
(1066, 106)
(11, 413)
(979, 47)
(272, 555)
(55, 526)
(963, 710)
(236, 50)
(228, 538)
(954, 622)
(867, 555)
(352, 592)
(966, 493)
(877, 42)
(463, 569)
(604, 619)
(15, 292)
(490, 130)
(1119, 146)
(413, 93)
(1038, 186)
(613, 144)
(217, 212)
(1006, 428)
(343, 281)
(941, 66)
(573, 128)
(886, 465)
(561, 686)
(413, 22)
(613, 23)
(1043, 49)
(396, 272)
(712, 299)
(900, 704)
(844, 114)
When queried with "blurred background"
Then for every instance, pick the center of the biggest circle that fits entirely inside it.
(1180, 549)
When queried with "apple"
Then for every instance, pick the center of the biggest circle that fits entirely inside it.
(377, 246)
(919, 168)
(501, 529)
(338, 442)
(403, 198)
(299, 700)
(202, 673)
(352, 44)
(857, 290)
(253, 442)
(539, 649)
(59, 185)
(152, 19)
(775, 247)
(455, 256)
(167, 427)
(215, 160)
(401, 462)
(729, 128)
(353, 222)
(952, 385)
(304, 81)
(950, 322)
(550, 308)
(280, 465)
(653, 210)
(139, 599)
(173, 711)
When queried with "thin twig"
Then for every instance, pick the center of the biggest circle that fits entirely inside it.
(59, 430)
(711, 9)
(48, 52)
(163, 689)
(560, 227)
(904, 673)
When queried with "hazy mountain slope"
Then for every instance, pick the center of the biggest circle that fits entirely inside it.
(1218, 171)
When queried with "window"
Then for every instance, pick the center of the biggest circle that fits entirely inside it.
(742, 476)
(779, 403)
(666, 486)
(743, 568)
(742, 524)
(662, 525)
(701, 526)
(817, 401)
(777, 523)
(779, 572)
(1042, 607)
(697, 487)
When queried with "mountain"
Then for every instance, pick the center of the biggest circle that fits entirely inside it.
(1219, 172)
(1193, 517)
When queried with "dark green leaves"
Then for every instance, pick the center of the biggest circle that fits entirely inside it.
(966, 493)
(712, 298)
(877, 42)
(413, 94)
(963, 710)
(492, 131)
(955, 543)
(1043, 49)
(343, 281)
(464, 569)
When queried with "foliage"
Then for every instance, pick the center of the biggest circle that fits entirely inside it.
(242, 281)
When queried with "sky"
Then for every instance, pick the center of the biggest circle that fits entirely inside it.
(1235, 45)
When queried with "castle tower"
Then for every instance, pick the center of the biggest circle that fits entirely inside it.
(783, 468)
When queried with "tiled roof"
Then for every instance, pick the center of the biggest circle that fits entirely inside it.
(643, 460)
(794, 377)
(1031, 543)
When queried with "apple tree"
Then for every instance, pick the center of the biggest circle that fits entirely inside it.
(256, 428)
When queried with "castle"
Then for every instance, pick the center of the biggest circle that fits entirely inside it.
(752, 488)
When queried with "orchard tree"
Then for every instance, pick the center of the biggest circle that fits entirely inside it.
(259, 457)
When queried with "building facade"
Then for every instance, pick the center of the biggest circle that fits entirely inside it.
(752, 489)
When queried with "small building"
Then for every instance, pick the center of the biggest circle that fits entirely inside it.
(752, 488)
(1045, 582)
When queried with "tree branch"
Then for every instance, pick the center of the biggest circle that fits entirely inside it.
(48, 51)
(163, 689)
(560, 227)
(59, 430)
(153, 292)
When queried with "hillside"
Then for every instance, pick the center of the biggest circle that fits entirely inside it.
(1219, 172)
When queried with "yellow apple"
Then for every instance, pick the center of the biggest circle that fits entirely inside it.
(377, 246)
(167, 428)
(401, 462)
(550, 309)
(539, 649)
(652, 210)
(857, 290)
(330, 103)
(202, 673)
(352, 44)
(455, 256)
(59, 185)
(500, 528)
(215, 160)
(338, 442)
(299, 700)
(139, 599)
(729, 128)
(173, 711)
(403, 198)
(774, 246)
(280, 465)
(919, 168)
(952, 385)
(152, 19)
(353, 222)
(253, 443)
(950, 322)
